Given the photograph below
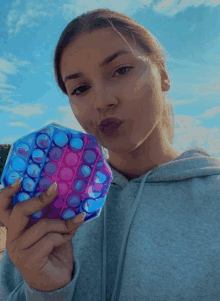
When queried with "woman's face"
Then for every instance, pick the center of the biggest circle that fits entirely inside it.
(133, 93)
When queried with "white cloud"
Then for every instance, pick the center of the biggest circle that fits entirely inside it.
(17, 62)
(5, 91)
(212, 89)
(24, 15)
(5, 98)
(18, 124)
(6, 86)
(183, 101)
(189, 134)
(27, 14)
(3, 78)
(24, 110)
(215, 57)
(210, 113)
(9, 64)
(215, 87)
(173, 7)
(7, 67)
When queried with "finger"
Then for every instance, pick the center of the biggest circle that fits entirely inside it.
(42, 249)
(71, 234)
(6, 196)
(21, 212)
(1, 224)
(45, 226)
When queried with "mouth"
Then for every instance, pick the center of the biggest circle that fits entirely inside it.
(110, 125)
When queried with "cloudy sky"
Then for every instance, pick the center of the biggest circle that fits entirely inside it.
(189, 31)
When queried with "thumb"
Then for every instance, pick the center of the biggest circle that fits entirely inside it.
(17, 184)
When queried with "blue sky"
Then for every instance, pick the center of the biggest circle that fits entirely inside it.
(189, 31)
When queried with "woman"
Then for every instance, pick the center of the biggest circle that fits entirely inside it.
(157, 237)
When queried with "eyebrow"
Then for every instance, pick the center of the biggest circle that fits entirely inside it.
(109, 59)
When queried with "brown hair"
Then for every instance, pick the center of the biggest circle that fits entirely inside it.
(103, 18)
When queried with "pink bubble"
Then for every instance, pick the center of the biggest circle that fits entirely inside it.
(71, 159)
(62, 188)
(66, 174)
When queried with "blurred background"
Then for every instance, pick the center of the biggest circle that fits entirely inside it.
(30, 98)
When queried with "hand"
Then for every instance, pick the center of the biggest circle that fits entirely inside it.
(43, 253)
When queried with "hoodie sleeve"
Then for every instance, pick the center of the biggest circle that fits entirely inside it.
(14, 287)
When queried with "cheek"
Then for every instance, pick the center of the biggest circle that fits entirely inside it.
(144, 82)
(81, 118)
(89, 126)
(86, 123)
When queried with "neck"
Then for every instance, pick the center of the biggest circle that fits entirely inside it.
(144, 158)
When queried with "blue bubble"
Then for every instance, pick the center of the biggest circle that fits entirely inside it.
(37, 215)
(33, 170)
(61, 139)
(100, 177)
(73, 201)
(38, 156)
(95, 195)
(76, 143)
(18, 164)
(68, 213)
(12, 177)
(23, 196)
(28, 184)
(100, 164)
(92, 205)
(85, 171)
(79, 186)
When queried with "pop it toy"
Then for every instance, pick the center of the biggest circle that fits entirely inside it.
(58, 154)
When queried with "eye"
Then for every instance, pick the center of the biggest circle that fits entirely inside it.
(74, 91)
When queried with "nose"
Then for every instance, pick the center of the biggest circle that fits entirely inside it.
(104, 99)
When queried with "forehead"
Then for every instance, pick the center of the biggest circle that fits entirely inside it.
(105, 38)
(96, 45)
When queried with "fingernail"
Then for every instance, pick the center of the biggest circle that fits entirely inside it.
(52, 189)
(17, 182)
(79, 218)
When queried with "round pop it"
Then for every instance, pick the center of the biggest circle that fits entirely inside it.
(71, 159)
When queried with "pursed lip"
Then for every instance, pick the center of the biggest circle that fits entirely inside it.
(110, 120)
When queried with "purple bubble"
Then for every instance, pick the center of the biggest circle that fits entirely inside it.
(55, 153)
(43, 141)
(89, 156)
(50, 169)
(44, 183)
(22, 150)
(73, 200)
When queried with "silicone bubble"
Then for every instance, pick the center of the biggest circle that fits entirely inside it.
(68, 157)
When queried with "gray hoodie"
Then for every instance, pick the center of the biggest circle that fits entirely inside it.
(157, 239)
